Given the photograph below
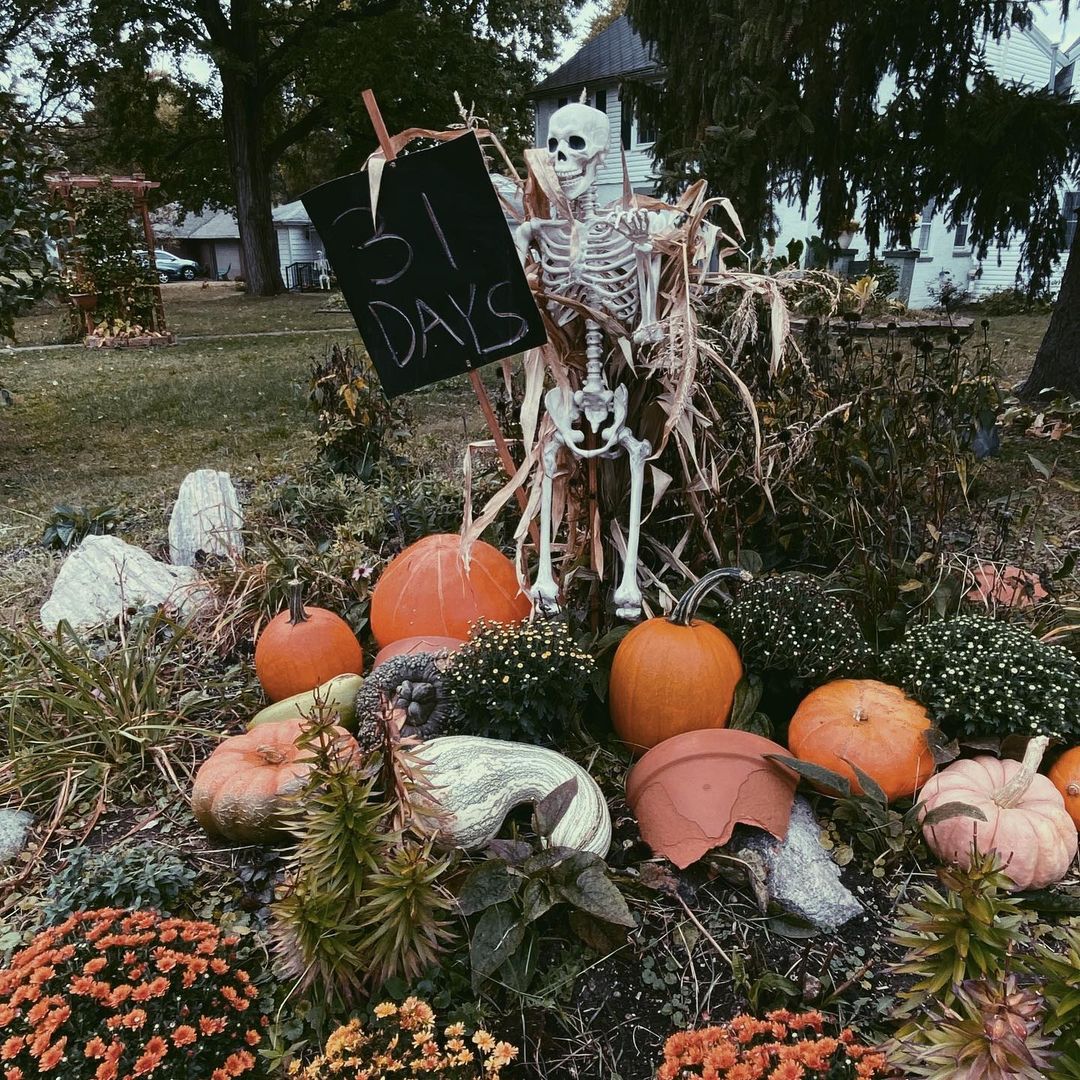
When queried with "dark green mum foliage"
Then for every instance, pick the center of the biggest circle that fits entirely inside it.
(791, 624)
(982, 678)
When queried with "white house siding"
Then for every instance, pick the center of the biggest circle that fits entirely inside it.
(639, 164)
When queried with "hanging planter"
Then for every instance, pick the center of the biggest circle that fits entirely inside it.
(675, 674)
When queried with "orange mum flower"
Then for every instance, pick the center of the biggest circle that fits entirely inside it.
(184, 1035)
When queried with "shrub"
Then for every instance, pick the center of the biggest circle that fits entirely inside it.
(783, 1046)
(791, 624)
(354, 418)
(402, 1042)
(110, 993)
(523, 682)
(979, 677)
(1012, 301)
(135, 876)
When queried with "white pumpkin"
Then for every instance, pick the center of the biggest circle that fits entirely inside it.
(478, 781)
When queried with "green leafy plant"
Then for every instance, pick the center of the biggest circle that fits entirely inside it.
(966, 932)
(354, 419)
(982, 678)
(521, 883)
(524, 682)
(114, 993)
(790, 624)
(94, 713)
(402, 1041)
(1057, 974)
(124, 876)
(68, 525)
(362, 901)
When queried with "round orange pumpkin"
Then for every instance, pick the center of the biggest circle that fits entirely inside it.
(1025, 820)
(674, 674)
(1065, 776)
(870, 724)
(422, 643)
(303, 647)
(241, 789)
(427, 590)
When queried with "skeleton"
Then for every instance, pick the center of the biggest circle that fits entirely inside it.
(604, 259)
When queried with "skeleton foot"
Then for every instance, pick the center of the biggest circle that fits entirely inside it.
(628, 594)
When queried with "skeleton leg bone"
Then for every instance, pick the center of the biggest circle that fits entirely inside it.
(545, 592)
(628, 594)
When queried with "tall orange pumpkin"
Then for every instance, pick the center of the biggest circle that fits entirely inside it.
(427, 590)
(1065, 776)
(302, 647)
(674, 674)
(870, 724)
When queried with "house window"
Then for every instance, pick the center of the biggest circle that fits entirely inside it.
(600, 100)
(646, 132)
(925, 223)
(1070, 211)
(960, 236)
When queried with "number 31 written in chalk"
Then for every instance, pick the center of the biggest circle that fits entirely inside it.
(434, 283)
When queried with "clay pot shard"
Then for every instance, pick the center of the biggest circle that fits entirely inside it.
(689, 792)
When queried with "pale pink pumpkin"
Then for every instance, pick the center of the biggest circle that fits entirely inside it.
(1026, 820)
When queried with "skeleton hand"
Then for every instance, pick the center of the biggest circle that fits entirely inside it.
(635, 226)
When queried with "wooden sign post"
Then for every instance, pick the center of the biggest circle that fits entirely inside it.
(429, 271)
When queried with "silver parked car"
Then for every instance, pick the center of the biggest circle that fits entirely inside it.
(171, 267)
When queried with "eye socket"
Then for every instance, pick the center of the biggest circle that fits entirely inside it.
(576, 142)
(553, 144)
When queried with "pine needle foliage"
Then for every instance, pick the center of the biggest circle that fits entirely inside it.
(362, 901)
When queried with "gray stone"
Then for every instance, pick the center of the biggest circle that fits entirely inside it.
(14, 829)
(207, 517)
(799, 874)
(104, 576)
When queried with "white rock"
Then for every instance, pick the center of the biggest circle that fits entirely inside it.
(207, 517)
(103, 576)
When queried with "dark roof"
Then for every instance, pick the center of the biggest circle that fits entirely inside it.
(614, 52)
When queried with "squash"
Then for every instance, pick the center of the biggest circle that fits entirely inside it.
(478, 781)
(421, 643)
(1065, 776)
(675, 674)
(421, 702)
(1026, 820)
(242, 790)
(301, 648)
(427, 590)
(868, 724)
(337, 694)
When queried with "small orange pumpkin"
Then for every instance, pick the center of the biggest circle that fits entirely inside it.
(675, 674)
(241, 789)
(421, 643)
(303, 647)
(870, 724)
(1025, 820)
(427, 590)
(1065, 776)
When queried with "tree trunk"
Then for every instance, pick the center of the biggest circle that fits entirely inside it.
(1057, 363)
(242, 114)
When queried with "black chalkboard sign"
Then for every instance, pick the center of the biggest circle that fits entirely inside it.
(435, 284)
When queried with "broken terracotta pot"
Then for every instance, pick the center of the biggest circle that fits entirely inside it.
(1006, 586)
(690, 791)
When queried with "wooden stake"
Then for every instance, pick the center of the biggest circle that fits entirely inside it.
(475, 381)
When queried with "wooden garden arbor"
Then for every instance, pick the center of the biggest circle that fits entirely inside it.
(137, 186)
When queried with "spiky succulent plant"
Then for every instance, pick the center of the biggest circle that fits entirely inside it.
(992, 1031)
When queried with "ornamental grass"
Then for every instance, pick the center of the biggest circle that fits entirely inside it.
(783, 1046)
(402, 1043)
(114, 995)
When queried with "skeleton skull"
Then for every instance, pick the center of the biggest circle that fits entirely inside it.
(578, 137)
